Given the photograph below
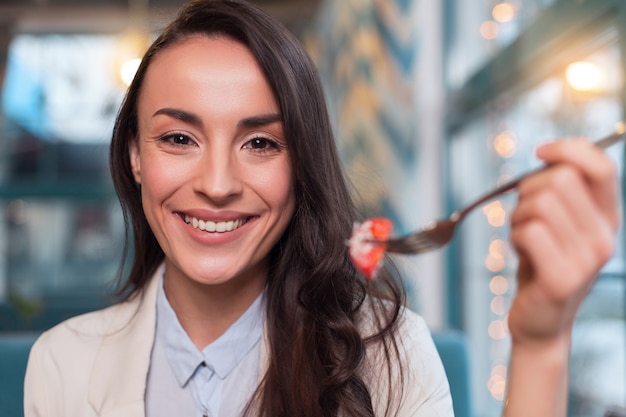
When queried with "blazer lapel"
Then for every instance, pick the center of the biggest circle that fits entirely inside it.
(118, 379)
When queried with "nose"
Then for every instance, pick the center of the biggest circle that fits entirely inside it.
(218, 176)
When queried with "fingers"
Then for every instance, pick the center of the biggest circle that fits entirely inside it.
(563, 229)
(595, 166)
(561, 200)
(567, 215)
(558, 265)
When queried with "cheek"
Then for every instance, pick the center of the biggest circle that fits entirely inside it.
(278, 188)
(160, 179)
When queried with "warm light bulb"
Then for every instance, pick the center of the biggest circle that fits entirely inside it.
(583, 76)
(128, 70)
(130, 48)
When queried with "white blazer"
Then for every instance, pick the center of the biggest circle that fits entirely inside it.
(97, 365)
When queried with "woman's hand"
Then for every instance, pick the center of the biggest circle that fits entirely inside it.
(563, 229)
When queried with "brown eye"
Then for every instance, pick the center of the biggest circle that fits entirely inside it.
(180, 139)
(260, 143)
(177, 139)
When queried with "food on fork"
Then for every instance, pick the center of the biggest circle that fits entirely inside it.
(366, 250)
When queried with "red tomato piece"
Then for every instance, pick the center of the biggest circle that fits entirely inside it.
(365, 252)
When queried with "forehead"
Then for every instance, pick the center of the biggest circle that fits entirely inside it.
(202, 69)
(199, 54)
(216, 45)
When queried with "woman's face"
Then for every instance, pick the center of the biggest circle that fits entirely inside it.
(212, 161)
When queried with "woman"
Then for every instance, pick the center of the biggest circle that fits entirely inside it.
(241, 297)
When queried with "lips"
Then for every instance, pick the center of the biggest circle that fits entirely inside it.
(215, 226)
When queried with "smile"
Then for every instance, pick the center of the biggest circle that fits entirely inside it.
(215, 227)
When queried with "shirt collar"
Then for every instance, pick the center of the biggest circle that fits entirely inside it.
(220, 356)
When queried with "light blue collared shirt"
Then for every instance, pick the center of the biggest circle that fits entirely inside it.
(215, 382)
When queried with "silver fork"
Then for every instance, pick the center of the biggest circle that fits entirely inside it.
(440, 232)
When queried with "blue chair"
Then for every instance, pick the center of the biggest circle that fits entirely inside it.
(14, 350)
(452, 347)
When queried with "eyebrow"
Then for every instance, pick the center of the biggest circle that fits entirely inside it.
(258, 121)
(181, 115)
(245, 123)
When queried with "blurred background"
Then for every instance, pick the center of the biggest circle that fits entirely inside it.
(433, 102)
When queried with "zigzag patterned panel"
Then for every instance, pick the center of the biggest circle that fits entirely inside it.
(366, 53)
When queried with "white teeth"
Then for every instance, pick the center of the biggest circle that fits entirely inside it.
(210, 226)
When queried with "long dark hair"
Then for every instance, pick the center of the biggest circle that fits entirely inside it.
(314, 295)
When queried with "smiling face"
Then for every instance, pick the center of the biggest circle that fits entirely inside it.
(212, 161)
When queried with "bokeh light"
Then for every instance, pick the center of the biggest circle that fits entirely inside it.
(497, 248)
(489, 30)
(128, 70)
(503, 12)
(496, 215)
(497, 382)
(499, 285)
(498, 305)
(584, 76)
(497, 330)
(505, 144)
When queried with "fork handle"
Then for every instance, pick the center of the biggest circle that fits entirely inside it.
(603, 143)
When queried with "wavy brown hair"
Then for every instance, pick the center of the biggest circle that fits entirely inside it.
(314, 295)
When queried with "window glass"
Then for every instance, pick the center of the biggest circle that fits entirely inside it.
(61, 229)
(63, 87)
(477, 29)
(497, 146)
(55, 247)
